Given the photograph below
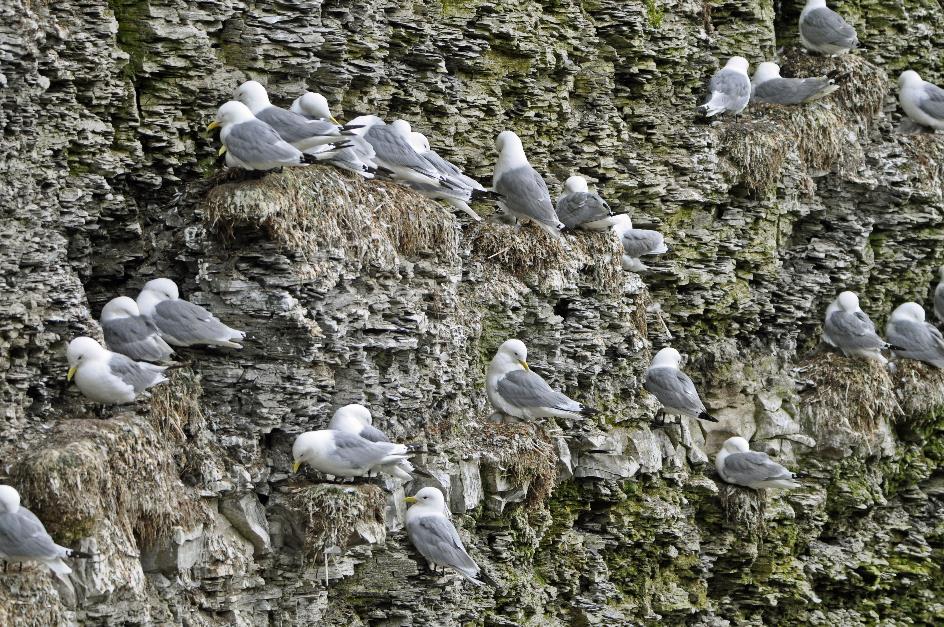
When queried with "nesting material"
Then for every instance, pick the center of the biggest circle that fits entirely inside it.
(339, 516)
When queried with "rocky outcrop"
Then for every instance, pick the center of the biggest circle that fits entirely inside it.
(356, 291)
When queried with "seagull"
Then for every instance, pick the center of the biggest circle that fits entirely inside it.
(23, 537)
(523, 191)
(182, 323)
(394, 153)
(729, 88)
(768, 86)
(823, 30)
(637, 243)
(344, 454)
(579, 208)
(356, 419)
(913, 338)
(295, 129)
(131, 334)
(251, 144)
(516, 390)
(106, 377)
(358, 157)
(674, 389)
(922, 101)
(434, 535)
(850, 330)
(738, 464)
(452, 172)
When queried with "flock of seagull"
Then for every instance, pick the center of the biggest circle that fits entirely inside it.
(259, 136)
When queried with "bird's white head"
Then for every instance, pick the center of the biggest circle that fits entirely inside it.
(576, 184)
(737, 444)
(9, 499)
(738, 64)
(402, 128)
(164, 289)
(306, 445)
(351, 418)
(909, 78)
(766, 71)
(253, 95)
(512, 354)
(815, 4)
(912, 312)
(668, 357)
(121, 307)
(231, 113)
(366, 121)
(848, 301)
(315, 106)
(82, 350)
(508, 140)
(419, 142)
(621, 223)
(428, 498)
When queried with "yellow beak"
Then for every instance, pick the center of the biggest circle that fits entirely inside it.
(296, 466)
(222, 151)
(524, 364)
(71, 373)
(214, 124)
(410, 500)
(333, 121)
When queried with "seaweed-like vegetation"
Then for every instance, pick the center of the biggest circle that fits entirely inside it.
(334, 515)
(850, 399)
(320, 211)
(82, 476)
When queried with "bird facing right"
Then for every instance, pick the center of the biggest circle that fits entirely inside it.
(913, 338)
(824, 31)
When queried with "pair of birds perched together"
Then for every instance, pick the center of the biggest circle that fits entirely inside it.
(850, 329)
(257, 135)
(824, 31)
(137, 332)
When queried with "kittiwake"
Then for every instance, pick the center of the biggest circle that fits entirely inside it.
(729, 88)
(738, 464)
(434, 535)
(107, 377)
(674, 389)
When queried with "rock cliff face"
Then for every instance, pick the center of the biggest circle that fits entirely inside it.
(357, 291)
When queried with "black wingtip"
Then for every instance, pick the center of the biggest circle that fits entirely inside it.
(80, 554)
(347, 128)
(897, 348)
(588, 411)
(370, 170)
(485, 194)
(706, 416)
(308, 159)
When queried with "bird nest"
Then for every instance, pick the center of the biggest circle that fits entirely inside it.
(848, 402)
(121, 469)
(337, 515)
(920, 390)
(320, 212)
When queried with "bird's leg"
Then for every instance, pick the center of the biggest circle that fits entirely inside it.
(327, 582)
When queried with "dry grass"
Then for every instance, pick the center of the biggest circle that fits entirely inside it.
(924, 154)
(176, 407)
(121, 469)
(920, 390)
(320, 212)
(849, 401)
(757, 153)
(332, 514)
(537, 258)
(525, 455)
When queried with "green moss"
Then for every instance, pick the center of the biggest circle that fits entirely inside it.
(654, 13)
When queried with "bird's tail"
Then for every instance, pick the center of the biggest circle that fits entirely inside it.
(587, 412)
(348, 129)
(308, 159)
(79, 554)
(714, 106)
(485, 194)
(706, 416)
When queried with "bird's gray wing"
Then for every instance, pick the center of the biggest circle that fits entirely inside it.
(436, 538)
(933, 102)
(789, 91)
(919, 340)
(751, 467)
(452, 171)
(393, 150)
(732, 84)
(853, 331)
(138, 375)
(137, 337)
(256, 142)
(526, 389)
(356, 452)
(188, 323)
(825, 26)
(294, 128)
(674, 389)
(524, 192)
(373, 434)
(576, 208)
(639, 242)
(23, 535)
